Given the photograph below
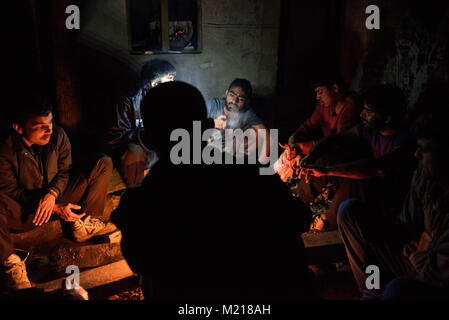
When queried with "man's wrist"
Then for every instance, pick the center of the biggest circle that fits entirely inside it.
(291, 140)
(53, 192)
(56, 208)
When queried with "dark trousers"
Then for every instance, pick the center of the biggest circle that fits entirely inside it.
(133, 162)
(370, 239)
(409, 288)
(87, 188)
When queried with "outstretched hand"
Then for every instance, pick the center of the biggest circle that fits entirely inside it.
(311, 171)
(65, 212)
(44, 209)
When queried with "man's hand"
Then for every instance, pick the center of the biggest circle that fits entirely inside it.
(220, 122)
(118, 134)
(65, 212)
(409, 248)
(312, 171)
(291, 142)
(44, 209)
(425, 242)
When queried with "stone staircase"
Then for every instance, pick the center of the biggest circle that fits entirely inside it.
(103, 270)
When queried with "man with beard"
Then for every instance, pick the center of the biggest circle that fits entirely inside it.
(234, 112)
(413, 251)
(383, 176)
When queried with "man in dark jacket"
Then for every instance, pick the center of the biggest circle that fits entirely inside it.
(36, 181)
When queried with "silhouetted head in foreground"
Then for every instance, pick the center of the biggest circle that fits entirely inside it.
(170, 106)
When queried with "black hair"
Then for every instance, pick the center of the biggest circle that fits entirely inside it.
(155, 69)
(328, 80)
(30, 105)
(169, 106)
(244, 84)
(387, 100)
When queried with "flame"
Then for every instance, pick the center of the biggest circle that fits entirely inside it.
(288, 159)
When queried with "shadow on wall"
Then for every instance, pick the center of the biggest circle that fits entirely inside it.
(103, 80)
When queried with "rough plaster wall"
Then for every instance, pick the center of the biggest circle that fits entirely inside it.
(240, 39)
(409, 50)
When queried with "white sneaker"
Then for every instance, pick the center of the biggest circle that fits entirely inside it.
(15, 272)
(89, 228)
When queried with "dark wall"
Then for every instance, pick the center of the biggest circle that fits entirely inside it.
(20, 70)
(410, 50)
(309, 46)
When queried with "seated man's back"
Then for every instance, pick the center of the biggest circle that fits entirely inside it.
(214, 232)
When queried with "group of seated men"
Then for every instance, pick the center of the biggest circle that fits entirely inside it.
(390, 211)
(224, 231)
(342, 140)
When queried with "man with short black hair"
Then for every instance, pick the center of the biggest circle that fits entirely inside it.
(335, 112)
(37, 181)
(131, 154)
(234, 112)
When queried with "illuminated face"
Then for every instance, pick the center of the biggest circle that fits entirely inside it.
(37, 130)
(169, 77)
(371, 119)
(325, 97)
(236, 99)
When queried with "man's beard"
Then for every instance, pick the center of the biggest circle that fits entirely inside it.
(235, 108)
(233, 120)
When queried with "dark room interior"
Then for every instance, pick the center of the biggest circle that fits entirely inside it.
(83, 56)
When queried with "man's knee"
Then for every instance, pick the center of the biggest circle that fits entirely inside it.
(133, 154)
(348, 211)
(105, 164)
(6, 246)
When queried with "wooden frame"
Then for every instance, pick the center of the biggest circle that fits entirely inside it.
(164, 33)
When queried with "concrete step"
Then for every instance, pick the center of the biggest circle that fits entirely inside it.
(48, 232)
(323, 247)
(94, 277)
(49, 260)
